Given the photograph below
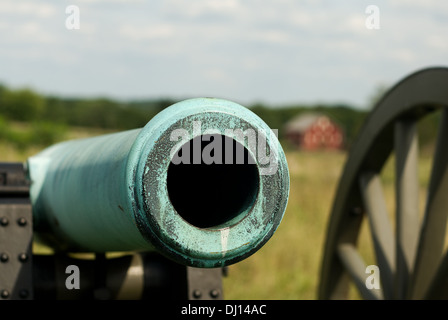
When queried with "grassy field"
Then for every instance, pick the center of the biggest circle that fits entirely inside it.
(288, 266)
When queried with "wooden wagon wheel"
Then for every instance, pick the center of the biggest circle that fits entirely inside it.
(410, 256)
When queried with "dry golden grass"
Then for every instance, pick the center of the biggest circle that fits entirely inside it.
(288, 266)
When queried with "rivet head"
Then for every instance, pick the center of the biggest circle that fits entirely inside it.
(22, 222)
(197, 294)
(4, 294)
(4, 257)
(214, 293)
(23, 257)
(4, 221)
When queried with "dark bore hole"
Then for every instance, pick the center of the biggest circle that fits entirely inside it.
(212, 180)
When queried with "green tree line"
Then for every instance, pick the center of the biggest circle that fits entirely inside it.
(49, 117)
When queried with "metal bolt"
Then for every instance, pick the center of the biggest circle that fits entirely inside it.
(4, 257)
(4, 294)
(214, 293)
(197, 294)
(22, 222)
(24, 293)
(4, 221)
(23, 257)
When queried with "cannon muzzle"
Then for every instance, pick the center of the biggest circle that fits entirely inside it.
(204, 183)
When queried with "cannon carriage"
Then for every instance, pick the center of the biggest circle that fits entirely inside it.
(409, 247)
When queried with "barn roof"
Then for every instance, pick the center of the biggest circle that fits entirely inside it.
(302, 122)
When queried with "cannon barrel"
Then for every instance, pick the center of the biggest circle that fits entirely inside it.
(204, 183)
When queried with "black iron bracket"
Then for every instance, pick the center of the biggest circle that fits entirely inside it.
(16, 232)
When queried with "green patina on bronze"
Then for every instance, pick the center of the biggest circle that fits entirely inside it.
(109, 193)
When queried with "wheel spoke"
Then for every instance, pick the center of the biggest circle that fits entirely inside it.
(438, 290)
(356, 268)
(432, 235)
(407, 192)
(381, 229)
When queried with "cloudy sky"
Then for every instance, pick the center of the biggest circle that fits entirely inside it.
(276, 52)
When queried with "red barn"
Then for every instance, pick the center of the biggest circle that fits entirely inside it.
(314, 131)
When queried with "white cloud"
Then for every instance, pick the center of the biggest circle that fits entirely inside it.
(30, 8)
(425, 5)
(138, 33)
(217, 74)
(250, 49)
(110, 1)
(195, 8)
(34, 32)
(438, 42)
(403, 55)
(355, 24)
